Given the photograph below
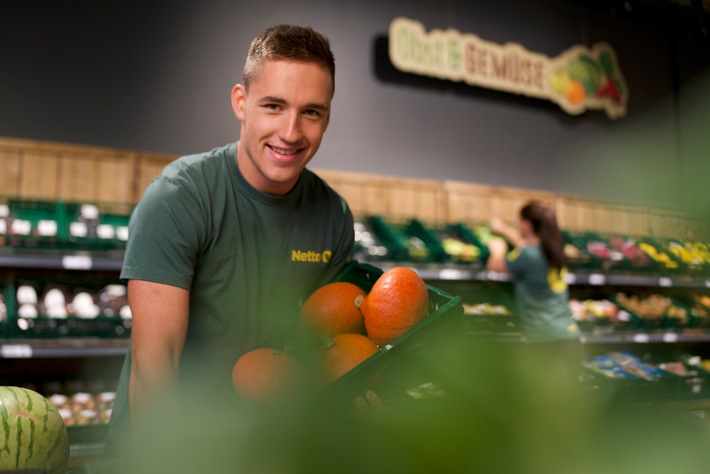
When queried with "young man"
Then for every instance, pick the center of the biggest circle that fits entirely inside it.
(226, 245)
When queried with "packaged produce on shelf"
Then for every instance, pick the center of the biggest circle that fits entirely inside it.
(630, 250)
(658, 255)
(47, 309)
(3, 309)
(81, 408)
(486, 309)
(654, 307)
(678, 368)
(622, 365)
(369, 246)
(693, 255)
(574, 255)
(597, 312)
(458, 248)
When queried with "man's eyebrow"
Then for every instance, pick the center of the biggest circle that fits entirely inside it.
(278, 100)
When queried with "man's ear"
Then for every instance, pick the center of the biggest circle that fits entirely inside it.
(239, 98)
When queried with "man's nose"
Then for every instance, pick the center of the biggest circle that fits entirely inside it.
(291, 128)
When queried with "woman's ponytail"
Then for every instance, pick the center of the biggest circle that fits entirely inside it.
(544, 224)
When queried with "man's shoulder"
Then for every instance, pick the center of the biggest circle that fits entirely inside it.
(315, 184)
(199, 162)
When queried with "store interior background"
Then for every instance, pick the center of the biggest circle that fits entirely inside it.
(156, 76)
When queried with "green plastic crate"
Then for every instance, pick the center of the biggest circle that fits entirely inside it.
(35, 223)
(460, 232)
(386, 371)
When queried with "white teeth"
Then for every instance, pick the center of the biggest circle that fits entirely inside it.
(283, 152)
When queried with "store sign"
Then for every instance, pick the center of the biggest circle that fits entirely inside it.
(579, 79)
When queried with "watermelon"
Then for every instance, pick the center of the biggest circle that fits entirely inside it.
(33, 434)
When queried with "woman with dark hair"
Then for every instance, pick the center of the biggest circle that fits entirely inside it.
(537, 266)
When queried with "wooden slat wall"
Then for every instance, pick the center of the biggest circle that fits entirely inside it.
(397, 198)
(54, 171)
(10, 173)
(507, 202)
(467, 202)
(48, 171)
(149, 165)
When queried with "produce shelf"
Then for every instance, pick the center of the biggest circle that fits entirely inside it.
(51, 348)
(53, 259)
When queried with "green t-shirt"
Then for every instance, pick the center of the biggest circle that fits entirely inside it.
(541, 296)
(249, 259)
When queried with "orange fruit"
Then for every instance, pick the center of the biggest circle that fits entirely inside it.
(574, 92)
(334, 309)
(399, 299)
(344, 352)
(266, 375)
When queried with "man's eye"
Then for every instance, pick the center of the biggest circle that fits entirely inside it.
(271, 106)
(312, 113)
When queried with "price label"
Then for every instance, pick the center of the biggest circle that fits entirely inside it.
(665, 282)
(641, 338)
(3, 226)
(77, 262)
(4, 210)
(16, 351)
(670, 337)
(707, 283)
(571, 278)
(496, 276)
(597, 279)
(450, 274)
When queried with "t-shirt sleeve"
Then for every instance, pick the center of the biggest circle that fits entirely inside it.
(344, 244)
(164, 234)
(518, 261)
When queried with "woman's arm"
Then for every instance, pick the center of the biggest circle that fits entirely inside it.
(496, 259)
(511, 233)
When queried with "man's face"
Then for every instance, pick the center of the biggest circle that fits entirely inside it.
(283, 118)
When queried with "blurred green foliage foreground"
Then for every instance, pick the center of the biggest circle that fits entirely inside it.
(505, 409)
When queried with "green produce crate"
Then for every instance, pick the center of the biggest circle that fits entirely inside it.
(394, 243)
(489, 307)
(386, 371)
(36, 223)
(420, 244)
(665, 321)
(692, 260)
(105, 321)
(100, 226)
(462, 232)
(576, 255)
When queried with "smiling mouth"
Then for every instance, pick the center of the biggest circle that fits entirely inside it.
(284, 151)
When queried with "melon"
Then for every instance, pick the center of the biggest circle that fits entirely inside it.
(33, 433)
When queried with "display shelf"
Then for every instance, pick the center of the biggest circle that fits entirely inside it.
(646, 337)
(478, 273)
(55, 259)
(69, 347)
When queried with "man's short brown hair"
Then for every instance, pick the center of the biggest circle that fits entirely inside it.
(288, 42)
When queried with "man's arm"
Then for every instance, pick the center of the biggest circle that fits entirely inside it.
(160, 319)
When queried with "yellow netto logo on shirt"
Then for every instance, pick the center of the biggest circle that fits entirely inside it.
(311, 256)
(557, 279)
